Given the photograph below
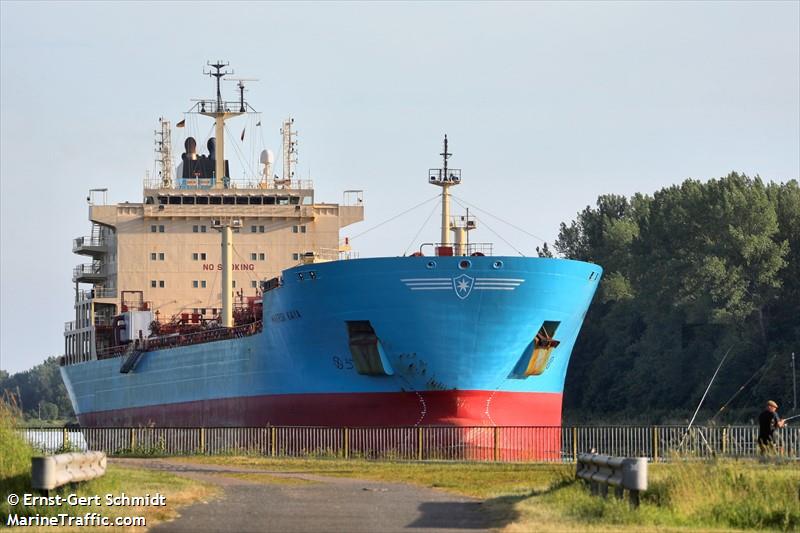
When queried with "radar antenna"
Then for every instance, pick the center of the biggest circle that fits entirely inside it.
(240, 86)
(218, 66)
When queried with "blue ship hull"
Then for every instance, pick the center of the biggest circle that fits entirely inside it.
(454, 336)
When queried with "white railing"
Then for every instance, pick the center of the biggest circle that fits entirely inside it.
(101, 292)
(89, 270)
(231, 184)
(95, 242)
(354, 197)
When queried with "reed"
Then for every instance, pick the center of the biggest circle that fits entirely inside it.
(15, 478)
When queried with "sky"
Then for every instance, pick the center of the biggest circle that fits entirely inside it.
(546, 106)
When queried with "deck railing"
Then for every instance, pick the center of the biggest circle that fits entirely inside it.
(445, 443)
(250, 183)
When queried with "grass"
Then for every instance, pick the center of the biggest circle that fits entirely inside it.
(259, 477)
(478, 480)
(682, 495)
(15, 478)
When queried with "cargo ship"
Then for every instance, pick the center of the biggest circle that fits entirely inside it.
(235, 302)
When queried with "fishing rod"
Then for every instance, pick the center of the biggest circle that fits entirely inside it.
(699, 405)
(691, 422)
(766, 366)
(790, 418)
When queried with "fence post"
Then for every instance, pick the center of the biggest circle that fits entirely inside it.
(65, 439)
(273, 440)
(496, 443)
(574, 444)
(203, 441)
(724, 441)
(132, 439)
(655, 444)
(346, 443)
(419, 451)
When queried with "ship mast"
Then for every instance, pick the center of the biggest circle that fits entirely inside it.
(164, 151)
(289, 150)
(445, 178)
(226, 227)
(220, 113)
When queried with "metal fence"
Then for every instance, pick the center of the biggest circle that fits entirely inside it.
(440, 443)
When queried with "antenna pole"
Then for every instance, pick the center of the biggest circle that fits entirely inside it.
(289, 150)
(445, 178)
(445, 198)
(220, 114)
(164, 151)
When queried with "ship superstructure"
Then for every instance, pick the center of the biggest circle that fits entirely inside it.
(307, 336)
(163, 255)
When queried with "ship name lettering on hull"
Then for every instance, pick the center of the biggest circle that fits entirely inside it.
(294, 314)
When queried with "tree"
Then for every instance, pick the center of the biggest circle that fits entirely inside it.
(688, 272)
(37, 386)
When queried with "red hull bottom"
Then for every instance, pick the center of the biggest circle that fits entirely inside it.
(430, 408)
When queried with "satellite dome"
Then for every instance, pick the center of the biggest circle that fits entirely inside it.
(267, 156)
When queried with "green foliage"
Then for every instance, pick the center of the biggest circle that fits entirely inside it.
(15, 478)
(39, 387)
(691, 271)
(693, 495)
(15, 454)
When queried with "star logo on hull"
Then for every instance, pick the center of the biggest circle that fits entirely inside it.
(463, 285)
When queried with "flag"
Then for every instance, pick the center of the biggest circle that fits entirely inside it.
(243, 133)
(181, 124)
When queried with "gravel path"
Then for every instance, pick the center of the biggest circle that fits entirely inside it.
(311, 503)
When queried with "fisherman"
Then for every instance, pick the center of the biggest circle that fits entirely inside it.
(768, 424)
